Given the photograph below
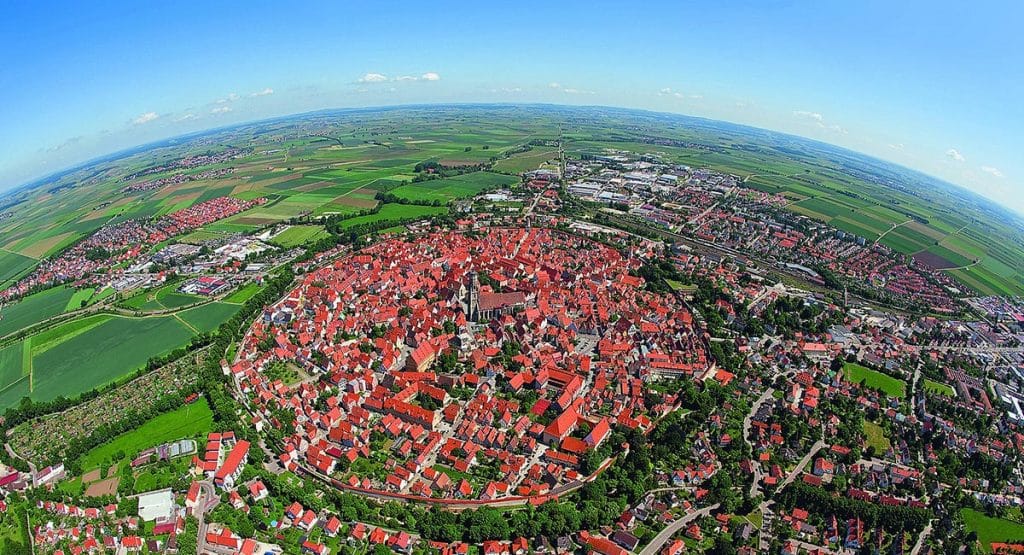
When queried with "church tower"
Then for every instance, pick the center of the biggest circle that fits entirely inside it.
(474, 296)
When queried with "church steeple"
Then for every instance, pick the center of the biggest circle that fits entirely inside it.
(474, 296)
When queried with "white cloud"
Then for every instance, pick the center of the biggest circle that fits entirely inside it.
(954, 155)
(507, 90)
(229, 98)
(819, 120)
(896, 146)
(696, 96)
(667, 91)
(145, 118)
(993, 171)
(430, 76)
(265, 92)
(221, 110)
(373, 78)
(810, 115)
(554, 85)
(405, 78)
(577, 91)
(185, 117)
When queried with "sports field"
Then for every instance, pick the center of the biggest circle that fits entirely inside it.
(855, 373)
(189, 421)
(991, 529)
(298, 235)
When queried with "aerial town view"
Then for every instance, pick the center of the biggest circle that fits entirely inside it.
(412, 299)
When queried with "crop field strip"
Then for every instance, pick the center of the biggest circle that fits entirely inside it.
(88, 352)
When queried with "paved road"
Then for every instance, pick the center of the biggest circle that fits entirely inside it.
(208, 500)
(755, 487)
(920, 539)
(662, 538)
(803, 464)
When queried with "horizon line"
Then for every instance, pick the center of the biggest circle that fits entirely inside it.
(114, 155)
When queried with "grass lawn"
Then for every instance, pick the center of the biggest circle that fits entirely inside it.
(298, 235)
(876, 437)
(185, 422)
(940, 388)
(680, 286)
(855, 373)
(991, 529)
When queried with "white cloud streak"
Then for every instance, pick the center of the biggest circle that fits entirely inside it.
(954, 155)
(145, 118)
(993, 171)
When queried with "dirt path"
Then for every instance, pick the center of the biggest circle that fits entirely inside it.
(894, 226)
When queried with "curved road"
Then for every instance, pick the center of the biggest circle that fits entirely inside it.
(670, 530)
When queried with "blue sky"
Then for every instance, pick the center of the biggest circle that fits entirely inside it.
(936, 86)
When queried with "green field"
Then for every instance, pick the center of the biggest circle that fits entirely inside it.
(991, 529)
(855, 373)
(207, 317)
(525, 161)
(188, 421)
(298, 235)
(12, 265)
(164, 298)
(939, 388)
(103, 353)
(11, 363)
(875, 437)
(34, 309)
(243, 293)
(85, 353)
(460, 186)
(79, 299)
(395, 212)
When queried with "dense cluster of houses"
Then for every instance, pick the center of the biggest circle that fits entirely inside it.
(560, 322)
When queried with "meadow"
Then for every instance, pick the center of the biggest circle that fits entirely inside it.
(855, 373)
(164, 298)
(991, 529)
